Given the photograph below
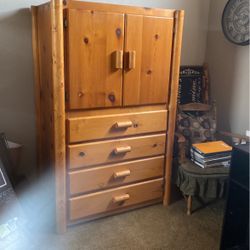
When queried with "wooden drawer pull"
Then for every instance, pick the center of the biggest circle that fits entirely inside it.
(122, 150)
(125, 124)
(131, 59)
(118, 59)
(121, 174)
(121, 198)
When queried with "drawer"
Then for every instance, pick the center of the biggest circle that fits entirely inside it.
(116, 125)
(94, 153)
(95, 179)
(96, 203)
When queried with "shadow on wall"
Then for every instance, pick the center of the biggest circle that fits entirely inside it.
(221, 68)
(229, 77)
(17, 111)
(229, 67)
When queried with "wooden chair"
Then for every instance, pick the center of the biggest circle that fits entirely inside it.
(203, 115)
(192, 179)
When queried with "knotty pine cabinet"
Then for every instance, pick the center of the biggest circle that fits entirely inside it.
(106, 87)
(125, 57)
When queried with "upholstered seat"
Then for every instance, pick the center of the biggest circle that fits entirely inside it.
(193, 180)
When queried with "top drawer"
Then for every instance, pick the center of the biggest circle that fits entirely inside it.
(115, 125)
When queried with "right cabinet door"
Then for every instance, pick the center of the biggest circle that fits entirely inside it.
(148, 49)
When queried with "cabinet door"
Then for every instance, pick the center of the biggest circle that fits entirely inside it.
(94, 53)
(148, 47)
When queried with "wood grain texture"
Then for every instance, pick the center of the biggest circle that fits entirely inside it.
(94, 40)
(49, 75)
(41, 34)
(147, 82)
(113, 111)
(35, 48)
(175, 69)
(95, 78)
(109, 126)
(93, 153)
(100, 202)
(71, 4)
(114, 212)
(94, 179)
(58, 109)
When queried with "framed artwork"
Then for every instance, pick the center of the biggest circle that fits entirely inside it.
(6, 163)
(6, 190)
(11, 217)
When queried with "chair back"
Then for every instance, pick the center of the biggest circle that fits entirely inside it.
(197, 121)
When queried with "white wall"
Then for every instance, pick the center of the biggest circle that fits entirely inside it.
(17, 113)
(17, 117)
(229, 73)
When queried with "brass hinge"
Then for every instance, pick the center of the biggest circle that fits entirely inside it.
(65, 22)
(66, 96)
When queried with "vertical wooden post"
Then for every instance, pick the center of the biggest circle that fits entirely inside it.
(37, 88)
(58, 112)
(176, 53)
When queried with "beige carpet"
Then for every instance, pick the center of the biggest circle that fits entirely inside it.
(154, 227)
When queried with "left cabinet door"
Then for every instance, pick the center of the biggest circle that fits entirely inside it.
(94, 59)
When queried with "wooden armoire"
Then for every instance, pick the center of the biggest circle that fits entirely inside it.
(106, 88)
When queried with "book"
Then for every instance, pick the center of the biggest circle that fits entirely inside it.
(197, 155)
(213, 147)
(212, 161)
(218, 164)
(211, 154)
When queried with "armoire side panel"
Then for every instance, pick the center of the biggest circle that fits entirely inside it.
(95, 50)
(174, 83)
(42, 50)
(47, 35)
(148, 43)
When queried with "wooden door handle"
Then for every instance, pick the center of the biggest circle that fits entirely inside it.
(121, 174)
(118, 59)
(121, 198)
(131, 59)
(122, 150)
(125, 124)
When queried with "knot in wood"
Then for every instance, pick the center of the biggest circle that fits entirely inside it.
(118, 32)
(111, 97)
(86, 40)
(80, 93)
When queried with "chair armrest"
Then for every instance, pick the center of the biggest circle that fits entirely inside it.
(235, 137)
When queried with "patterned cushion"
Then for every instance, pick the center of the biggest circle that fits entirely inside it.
(196, 128)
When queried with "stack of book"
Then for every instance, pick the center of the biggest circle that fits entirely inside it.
(211, 154)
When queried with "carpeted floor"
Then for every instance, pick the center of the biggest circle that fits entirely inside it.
(153, 227)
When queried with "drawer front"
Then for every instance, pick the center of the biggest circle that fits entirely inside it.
(114, 199)
(94, 153)
(116, 125)
(95, 179)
